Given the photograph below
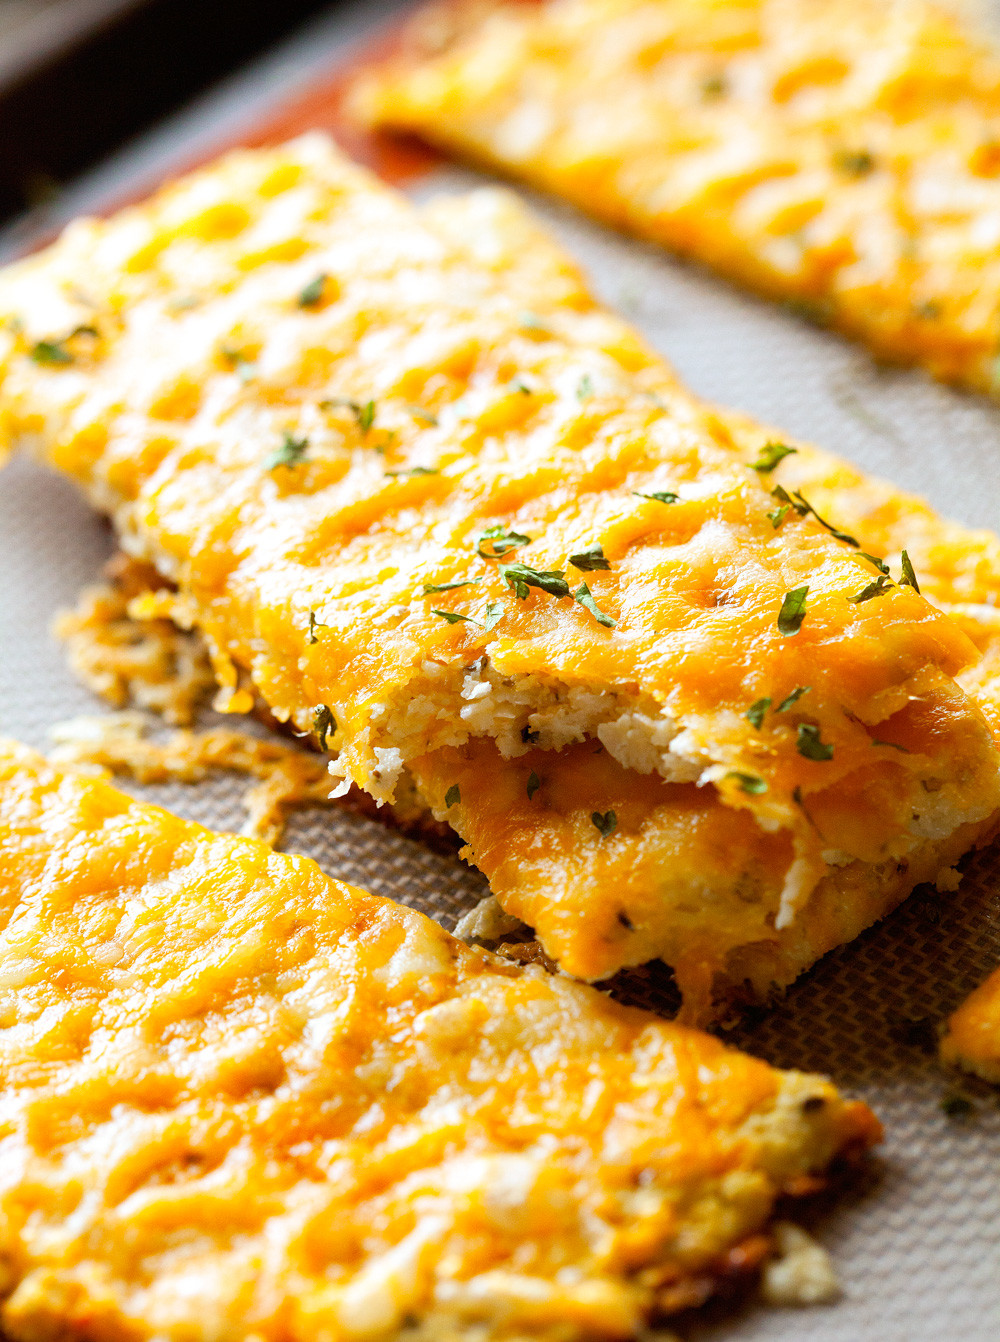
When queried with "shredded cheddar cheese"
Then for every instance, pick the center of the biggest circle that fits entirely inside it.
(841, 155)
(244, 1100)
(972, 1038)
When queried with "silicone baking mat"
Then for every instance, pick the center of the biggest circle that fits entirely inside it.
(916, 1239)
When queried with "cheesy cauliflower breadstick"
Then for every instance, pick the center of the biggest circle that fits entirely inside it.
(430, 503)
(242, 1099)
(842, 155)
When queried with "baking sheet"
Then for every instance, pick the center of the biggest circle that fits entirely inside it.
(916, 1241)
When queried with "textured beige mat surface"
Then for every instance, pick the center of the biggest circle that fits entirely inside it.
(917, 1243)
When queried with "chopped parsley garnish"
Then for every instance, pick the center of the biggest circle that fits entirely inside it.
(324, 724)
(314, 624)
(809, 744)
(854, 162)
(412, 470)
(51, 352)
(909, 578)
(585, 387)
(534, 783)
(660, 496)
(753, 785)
(895, 745)
(422, 416)
(793, 698)
(755, 713)
(312, 294)
(778, 516)
(501, 541)
(605, 824)
(583, 597)
(453, 796)
(492, 614)
(793, 610)
(589, 560)
(771, 455)
(448, 586)
(803, 507)
(289, 453)
(453, 617)
(957, 1106)
(880, 564)
(364, 413)
(874, 589)
(520, 577)
(516, 384)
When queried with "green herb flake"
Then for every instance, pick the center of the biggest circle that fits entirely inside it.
(895, 745)
(314, 624)
(324, 725)
(751, 784)
(880, 564)
(534, 783)
(793, 610)
(585, 387)
(289, 453)
(518, 384)
(778, 516)
(659, 496)
(957, 1106)
(501, 541)
(874, 589)
(430, 587)
(803, 506)
(793, 698)
(312, 295)
(52, 352)
(589, 560)
(411, 471)
(810, 746)
(909, 578)
(492, 613)
(583, 597)
(755, 713)
(713, 86)
(771, 455)
(854, 162)
(605, 824)
(453, 617)
(453, 796)
(520, 577)
(364, 413)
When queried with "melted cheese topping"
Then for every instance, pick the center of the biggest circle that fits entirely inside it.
(304, 402)
(242, 1099)
(972, 1040)
(840, 154)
